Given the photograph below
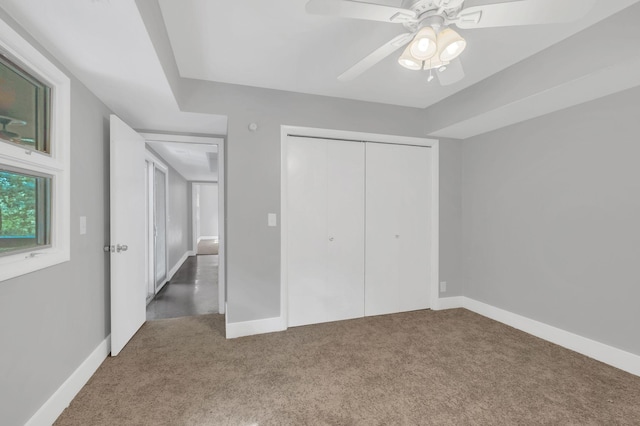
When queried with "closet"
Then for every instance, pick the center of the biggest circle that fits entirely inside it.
(358, 229)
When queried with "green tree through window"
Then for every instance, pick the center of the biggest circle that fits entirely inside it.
(17, 205)
(25, 211)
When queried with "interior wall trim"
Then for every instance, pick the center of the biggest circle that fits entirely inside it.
(62, 397)
(615, 357)
(249, 328)
(449, 303)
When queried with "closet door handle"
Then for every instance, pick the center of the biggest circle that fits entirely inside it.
(330, 238)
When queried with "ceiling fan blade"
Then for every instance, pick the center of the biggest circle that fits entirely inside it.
(360, 10)
(376, 56)
(452, 74)
(523, 12)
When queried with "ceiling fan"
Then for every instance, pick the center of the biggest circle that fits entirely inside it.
(432, 44)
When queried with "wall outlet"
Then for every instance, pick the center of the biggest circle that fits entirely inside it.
(443, 286)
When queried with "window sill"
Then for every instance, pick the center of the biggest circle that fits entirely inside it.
(14, 265)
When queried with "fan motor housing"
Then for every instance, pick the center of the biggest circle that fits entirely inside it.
(421, 6)
(431, 12)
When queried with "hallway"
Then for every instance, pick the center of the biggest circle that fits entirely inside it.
(193, 290)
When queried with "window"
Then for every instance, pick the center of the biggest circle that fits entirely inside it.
(34, 159)
(24, 107)
(25, 211)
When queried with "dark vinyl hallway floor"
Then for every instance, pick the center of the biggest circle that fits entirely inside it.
(193, 290)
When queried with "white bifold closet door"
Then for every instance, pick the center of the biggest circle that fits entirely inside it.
(325, 228)
(398, 224)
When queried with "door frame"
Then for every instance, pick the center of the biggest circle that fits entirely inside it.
(156, 163)
(311, 132)
(220, 142)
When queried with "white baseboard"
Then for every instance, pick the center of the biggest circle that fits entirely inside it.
(178, 264)
(608, 354)
(449, 303)
(248, 328)
(61, 398)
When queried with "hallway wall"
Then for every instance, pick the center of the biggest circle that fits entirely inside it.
(179, 215)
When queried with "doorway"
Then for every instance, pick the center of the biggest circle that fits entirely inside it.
(205, 218)
(194, 283)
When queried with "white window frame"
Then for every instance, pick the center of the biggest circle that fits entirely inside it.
(56, 163)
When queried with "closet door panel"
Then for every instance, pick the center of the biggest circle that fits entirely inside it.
(345, 265)
(307, 231)
(398, 182)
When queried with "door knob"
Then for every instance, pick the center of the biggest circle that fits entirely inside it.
(330, 238)
(122, 247)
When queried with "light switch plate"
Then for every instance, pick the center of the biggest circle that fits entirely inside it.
(272, 219)
(83, 225)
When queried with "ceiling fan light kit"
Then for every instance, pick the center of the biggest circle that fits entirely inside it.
(433, 44)
(408, 61)
(424, 44)
(444, 48)
(450, 45)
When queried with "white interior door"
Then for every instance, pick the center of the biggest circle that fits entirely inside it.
(325, 265)
(128, 209)
(160, 227)
(398, 224)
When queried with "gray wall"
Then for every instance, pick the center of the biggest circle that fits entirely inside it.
(253, 177)
(550, 219)
(54, 318)
(252, 167)
(451, 217)
(179, 218)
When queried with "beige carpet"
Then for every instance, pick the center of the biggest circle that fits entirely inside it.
(207, 247)
(442, 368)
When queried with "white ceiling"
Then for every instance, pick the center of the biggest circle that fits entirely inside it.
(277, 45)
(105, 44)
(273, 44)
(194, 161)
